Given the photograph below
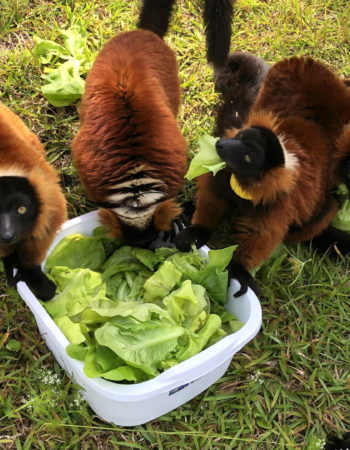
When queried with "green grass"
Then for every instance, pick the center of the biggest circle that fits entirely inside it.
(288, 387)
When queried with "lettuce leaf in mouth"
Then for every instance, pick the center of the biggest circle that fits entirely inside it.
(206, 160)
(138, 311)
(342, 219)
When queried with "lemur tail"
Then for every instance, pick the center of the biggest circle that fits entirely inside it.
(155, 16)
(239, 82)
(217, 16)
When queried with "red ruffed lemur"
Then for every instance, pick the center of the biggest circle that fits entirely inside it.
(129, 151)
(32, 206)
(281, 166)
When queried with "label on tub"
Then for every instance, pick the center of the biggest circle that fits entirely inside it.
(183, 386)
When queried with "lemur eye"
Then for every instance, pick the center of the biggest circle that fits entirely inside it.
(22, 210)
(247, 158)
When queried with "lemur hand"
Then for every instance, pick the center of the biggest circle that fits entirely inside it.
(240, 273)
(194, 234)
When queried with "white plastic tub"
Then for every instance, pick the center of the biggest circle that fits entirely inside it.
(129, 405)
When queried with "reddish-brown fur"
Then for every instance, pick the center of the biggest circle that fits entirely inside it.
(306, 105)
(22, 154)
(128, 118)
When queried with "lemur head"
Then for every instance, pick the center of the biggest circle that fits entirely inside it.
(19, 208)
(251, 153)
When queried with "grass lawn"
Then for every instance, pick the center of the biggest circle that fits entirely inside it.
(290, 386)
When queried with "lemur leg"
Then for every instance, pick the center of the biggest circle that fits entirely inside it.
(9, 265)
(209, 213)
(38, 282)
(258, 236)
(316, 225)
(30, 255)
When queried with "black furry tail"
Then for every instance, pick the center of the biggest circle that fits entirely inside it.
(239, 82)
(333, 241)
(155, 16)
(217, 17)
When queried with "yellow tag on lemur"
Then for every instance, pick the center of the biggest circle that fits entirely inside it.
(237, 189)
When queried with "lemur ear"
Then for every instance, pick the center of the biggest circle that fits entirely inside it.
(111, 222)
(165, 214)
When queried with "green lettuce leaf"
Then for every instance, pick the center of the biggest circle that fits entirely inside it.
(206, 160)
(342, 219)
(76, 351)
(186, 304)
(142, 347)
(162, 281)
(74, 332)
(77, 295)
(64, 85)
(193, 343)
(77, 251)
(64, 65)
(140, 311)
(221, 258)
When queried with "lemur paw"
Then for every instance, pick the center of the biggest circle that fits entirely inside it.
(194, 234)
(240, 273)
(38, 282)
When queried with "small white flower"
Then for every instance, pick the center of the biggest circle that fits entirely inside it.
(78, 401)
(48, 377)
(256, 377)
(320, 443)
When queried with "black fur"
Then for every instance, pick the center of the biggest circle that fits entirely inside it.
(155, 16)
(217, 17)
(251, 153)
(239, 82)
(194, 234)
(15, 193)
(332, 240)
(35, 278)
(237, 271)
(344, 172)
(335, 443)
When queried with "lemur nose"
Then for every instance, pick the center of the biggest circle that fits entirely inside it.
(7, 236)
(225, 146)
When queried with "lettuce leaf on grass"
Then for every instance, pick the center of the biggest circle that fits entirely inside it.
(206, 160)
(64, 85)
(64, 65)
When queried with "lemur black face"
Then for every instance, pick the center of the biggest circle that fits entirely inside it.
(251, 153)
(19, 208)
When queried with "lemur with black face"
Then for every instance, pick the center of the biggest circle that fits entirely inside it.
(32, 206)
(281, 166)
